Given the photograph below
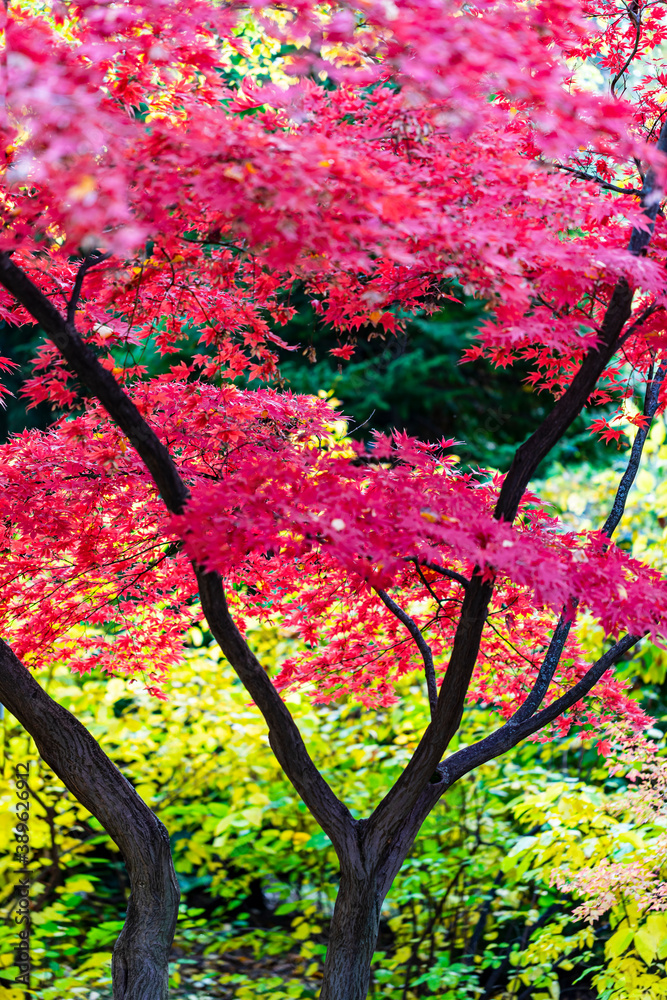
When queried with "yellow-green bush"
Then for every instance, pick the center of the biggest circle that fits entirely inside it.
(467, 912)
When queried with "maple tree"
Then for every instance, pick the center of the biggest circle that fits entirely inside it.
(384, 157)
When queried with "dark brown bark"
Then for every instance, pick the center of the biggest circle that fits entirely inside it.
(285, 737)
(141, 954)
(352, 936)
(399, 804)
(99, 381)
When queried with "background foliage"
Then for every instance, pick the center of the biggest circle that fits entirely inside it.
(413, 381)
(472, 913)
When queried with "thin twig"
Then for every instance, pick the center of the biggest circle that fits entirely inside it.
(423, 646)
(428, 585)
(90, 261)
(449, 573)
(635, 15)
(596, 180)
(650, 406)
(567, 617)
(643, 316)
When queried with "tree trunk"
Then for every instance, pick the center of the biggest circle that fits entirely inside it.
(141, 956)
(352, 938)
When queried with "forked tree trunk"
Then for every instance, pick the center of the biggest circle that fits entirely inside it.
(352, 938)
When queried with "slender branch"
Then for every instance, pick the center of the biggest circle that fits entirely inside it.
(90, 261)
(549, 664)
(518, 728)
(496, 744)
(100, 381)
(449, 573)
(638, 322)
(635, 15)
(595, 179)
(391, 822)
(650, 201)
(422, 645)
(529, 455)
(427, 584)
(566, 620)
(284, 734)
(651, 400)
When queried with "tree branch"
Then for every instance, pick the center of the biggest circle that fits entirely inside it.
(141, 954)
(423, 646)
(570, 404)
(398, 806)
(427, 584)
(566, 620)
(549, 663)
(635, 16)
(331, 814)
(90, 261)
(518, 728)
(639, 321)
(284, 736)
(100, 382)
(651, 400)
(449, 573)
(387, 825)
(594, 179)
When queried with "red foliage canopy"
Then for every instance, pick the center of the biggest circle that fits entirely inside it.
(416, 148)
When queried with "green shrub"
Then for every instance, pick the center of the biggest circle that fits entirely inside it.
(470, 915)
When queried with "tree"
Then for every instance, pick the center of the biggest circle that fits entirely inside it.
(147, 194)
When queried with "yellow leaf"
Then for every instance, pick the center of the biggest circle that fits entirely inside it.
(302, 932)
(647, 943)
(79, 884)
(96, 961)
(620, 941)
(225, 822)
